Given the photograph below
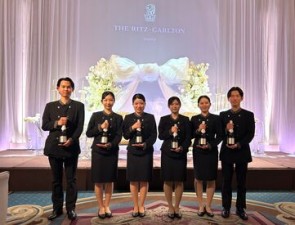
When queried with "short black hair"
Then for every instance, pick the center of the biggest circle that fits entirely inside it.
(138, 96)
(172, 99)
(204, 96)
(106, 93)
(238, 89)
(66, 79)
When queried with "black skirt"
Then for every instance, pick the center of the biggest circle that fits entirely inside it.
(205, 164)
(104, 168)
(139, 167)
(173, 169)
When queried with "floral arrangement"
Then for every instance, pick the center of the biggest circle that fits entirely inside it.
(100, 78)
(35, 120)
(196, 84)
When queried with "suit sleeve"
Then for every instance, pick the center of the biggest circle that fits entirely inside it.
(164, 131)
(118, 132)
(194, 134)
(47, 123)
(219, 135)
(92, 128)
(153, 134)
(187, 141)
(223, 124)
(126, 128)
(80, 122)
(250, 130)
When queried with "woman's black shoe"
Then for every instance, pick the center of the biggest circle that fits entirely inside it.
(102, 216)
(171, 215)
(210, 214)
(109, 214)
(142, 214)
(135, 214)
(201, 213)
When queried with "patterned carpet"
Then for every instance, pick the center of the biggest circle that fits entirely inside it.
(156, 212)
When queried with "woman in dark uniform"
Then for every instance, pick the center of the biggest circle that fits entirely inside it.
(207, 134)
(141, 131)
(174, 130)
(106, 128)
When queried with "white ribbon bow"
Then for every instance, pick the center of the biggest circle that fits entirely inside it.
(172, 72)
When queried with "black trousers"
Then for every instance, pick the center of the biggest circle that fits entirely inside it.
(227, 173)
(70, 166)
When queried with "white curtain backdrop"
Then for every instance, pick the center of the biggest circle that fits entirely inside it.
(256, 52)
(38, 45)
(255, 45)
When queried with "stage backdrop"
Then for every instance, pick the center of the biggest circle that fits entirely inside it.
(246, 43)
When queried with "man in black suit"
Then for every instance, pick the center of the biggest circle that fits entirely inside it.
(62, 147)
(236, 154)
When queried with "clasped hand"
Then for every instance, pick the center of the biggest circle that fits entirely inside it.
(62, 121)
(66, 144)
(204, 147)
(105, 125)
(106, 145)
(229, 126)
(139, 145)
(136, 125)
(179, 149)
(235, 146)
(174, 129)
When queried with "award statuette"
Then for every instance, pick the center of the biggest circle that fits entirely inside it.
(138, 136)
(63, 136)
(230, 136)
(104, 137)
(174, 143)
(203, 140)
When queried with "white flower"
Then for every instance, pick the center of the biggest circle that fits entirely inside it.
(33, 119)
(100, 78)
(197, 84)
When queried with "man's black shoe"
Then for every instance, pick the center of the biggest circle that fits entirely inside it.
(225, 213)
(242, 214)
(72, 215)
(55, 214)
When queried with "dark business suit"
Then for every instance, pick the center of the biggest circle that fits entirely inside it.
(244, 129)
(206, 160)
(140, 160)
(173, 164)
(104, 161)
(59, 156)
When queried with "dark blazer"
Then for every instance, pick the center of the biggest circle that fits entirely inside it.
(244, 130)
(214, 131)
(148, 130)
(184, 135)
(52, 112)
(114, 132)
